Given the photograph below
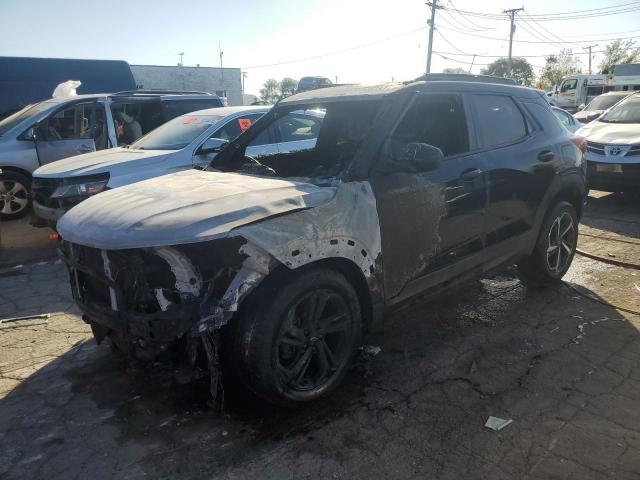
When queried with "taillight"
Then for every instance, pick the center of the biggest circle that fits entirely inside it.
(580, 142)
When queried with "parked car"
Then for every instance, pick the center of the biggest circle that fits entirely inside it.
(62, 127)
(191, 140)
(566, 119)
(613, 151)
(599, 105)
(277, 266)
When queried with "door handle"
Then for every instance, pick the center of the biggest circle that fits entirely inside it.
(84, 149)
(470, 175)
(546, 156)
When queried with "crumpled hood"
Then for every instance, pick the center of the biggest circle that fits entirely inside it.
(100, 162)
(184, 207)
(611, 133)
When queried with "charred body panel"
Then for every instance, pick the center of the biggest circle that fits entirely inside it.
(148, 298)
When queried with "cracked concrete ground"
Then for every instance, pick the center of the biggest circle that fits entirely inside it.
(565, 368)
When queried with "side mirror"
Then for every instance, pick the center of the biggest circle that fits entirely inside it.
(212, 145)
(420, 157)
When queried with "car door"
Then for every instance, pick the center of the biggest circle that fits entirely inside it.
(568, 89)
(297, 131)
(73, 130)
(431, 222)
(519, 168)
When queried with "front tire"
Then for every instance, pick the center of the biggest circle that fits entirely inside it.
(15, 195)
(296, 336)
(554, 250)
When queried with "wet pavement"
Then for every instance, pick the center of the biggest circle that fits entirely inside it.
(564, 367)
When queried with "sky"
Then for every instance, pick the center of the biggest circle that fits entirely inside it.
(351, 41)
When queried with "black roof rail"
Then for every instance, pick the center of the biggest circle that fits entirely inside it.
(161, 92)
(463, 77)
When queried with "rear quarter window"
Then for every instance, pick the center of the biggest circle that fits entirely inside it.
(545, 118)
(499, 120)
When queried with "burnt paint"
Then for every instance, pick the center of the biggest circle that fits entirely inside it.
(409, 208)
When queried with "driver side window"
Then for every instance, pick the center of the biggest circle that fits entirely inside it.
(437, 120)
(568, 85)
(236, 126)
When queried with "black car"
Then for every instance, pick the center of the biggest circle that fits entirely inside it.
(277, 266)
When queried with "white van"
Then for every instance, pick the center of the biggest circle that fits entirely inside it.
(576, 90)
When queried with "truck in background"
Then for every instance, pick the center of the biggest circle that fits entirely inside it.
(578, 90)
(28, 80)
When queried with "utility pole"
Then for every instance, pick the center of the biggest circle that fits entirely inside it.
(473, 60)
(512, 13)
(434, 6)
(244, 75)
(589, 48)
(224, 92)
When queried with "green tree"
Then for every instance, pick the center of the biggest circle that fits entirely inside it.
(454, 70)
(558, 66)
(288, 87)
(521, 70)
(619, 51)
(270, 91)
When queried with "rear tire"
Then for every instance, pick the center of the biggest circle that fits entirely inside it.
(15, 195)
(554, 250)
(296, 336)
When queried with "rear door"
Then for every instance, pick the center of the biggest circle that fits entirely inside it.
(73, 130)
(431, 222)
(519, 169)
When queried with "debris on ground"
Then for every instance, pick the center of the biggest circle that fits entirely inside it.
(371, 350)
(8, 271)
(27, 317)
(496, 423)
(473, 368)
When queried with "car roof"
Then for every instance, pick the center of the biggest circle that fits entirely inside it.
(621, 93)
(225, 111)
(372, 92)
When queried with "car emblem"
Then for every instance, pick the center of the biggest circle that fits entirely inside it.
(616, 150)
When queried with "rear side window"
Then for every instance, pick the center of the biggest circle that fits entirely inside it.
(499, 121)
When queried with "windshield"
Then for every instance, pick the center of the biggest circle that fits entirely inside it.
(21, 115)
(627, 111)
(177, 133)
(603, 102)
(315, 141)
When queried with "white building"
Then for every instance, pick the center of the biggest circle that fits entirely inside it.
(222, 82)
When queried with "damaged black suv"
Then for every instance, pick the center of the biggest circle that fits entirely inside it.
(276, 266)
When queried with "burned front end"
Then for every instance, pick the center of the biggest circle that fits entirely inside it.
(153, 300)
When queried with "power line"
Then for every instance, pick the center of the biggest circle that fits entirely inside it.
(451, 44)
(338, 52)
(546, 41)
(578, 14)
